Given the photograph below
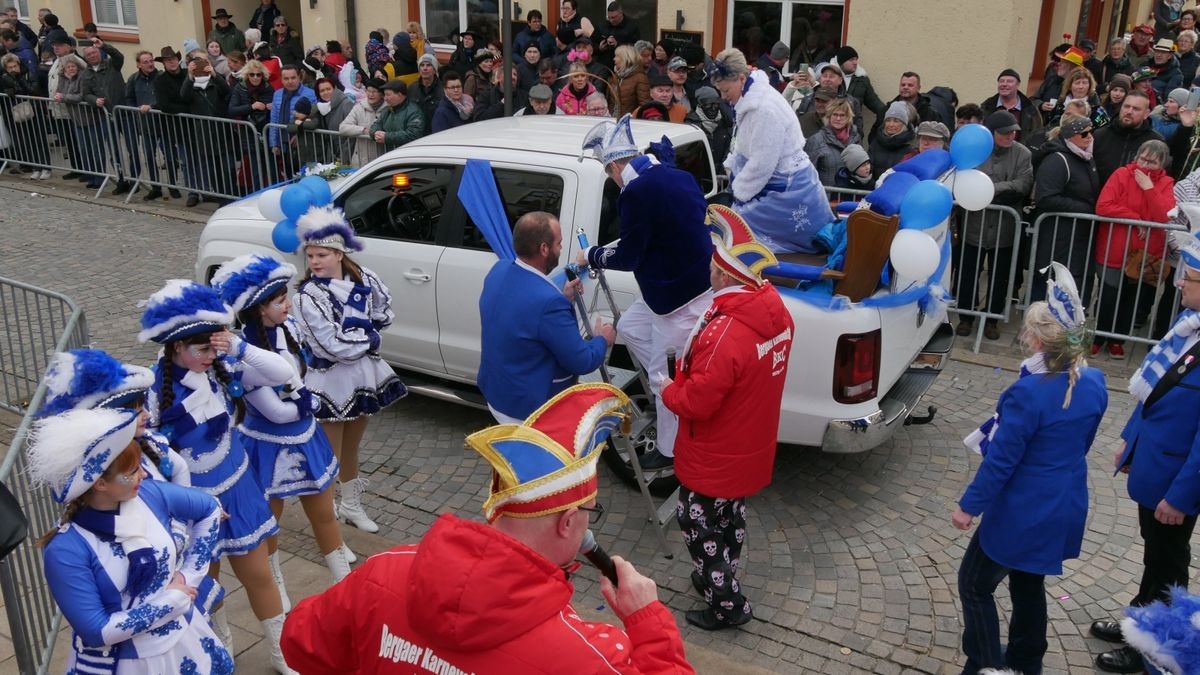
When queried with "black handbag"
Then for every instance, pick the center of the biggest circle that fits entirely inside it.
(14, 527)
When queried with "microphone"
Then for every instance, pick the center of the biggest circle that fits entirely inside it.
(671, 362)
(598, 557)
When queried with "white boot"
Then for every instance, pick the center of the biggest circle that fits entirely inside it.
(351, 509)
(338, 566)
(221, 627)
(277, 575)
(350, 557)
(272, 630)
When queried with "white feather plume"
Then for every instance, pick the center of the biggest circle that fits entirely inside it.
(57, 444)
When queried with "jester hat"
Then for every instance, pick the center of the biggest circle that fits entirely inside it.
(735, 250)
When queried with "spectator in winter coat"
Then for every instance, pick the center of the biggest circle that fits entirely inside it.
(773, 62)
(463, 60)
(1165, 118)
(1009, 97)
(1047, 96)
(662, 91)
(420, 43)
(456, 107)
(541, 102)
(17, 80)
(1094, 65)
(332, 108)
(404, 58)
(856, 172)
(535, 33)
(103, 87)
(144, 131)
(1078, 85)
(264, 16)
(377, 52)
(1066, 182)
(480, 78)
(830, 76)
(285, 44)
(813, 119)
(13, 45)
(272, 64)
(932, 136)
(989, 236)
(1117, 144)
(629, 80)
(224, 32)
(858, 85)
(527, 67)
(715, 120)
(895, 142)
(426, 91)
(1185, 53)
(616, 31)
(359, 122)
(1116, 62)
(1166, 18)
(1140, 47)
(825, 147)
(572, 100)
(400, 121)
(207, 95)
(572, 24)
(490, 103)
(1167, 74)
(1140, 190)
(683, 86)
(283, 108)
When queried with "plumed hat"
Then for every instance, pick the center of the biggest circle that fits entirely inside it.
(1063, 297)
(69, 452)
(250, 279)
(1165, 633)
(735, 250)
(89, 378)
(327, 227)
(181, 309)
(547, 464)
(1189, 247)
(611, 141)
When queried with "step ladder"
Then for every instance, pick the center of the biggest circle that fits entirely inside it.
(639, 430)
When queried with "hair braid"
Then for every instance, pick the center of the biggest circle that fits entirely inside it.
(223, 376)
(167, 397)
(294, 348)
(68, 513)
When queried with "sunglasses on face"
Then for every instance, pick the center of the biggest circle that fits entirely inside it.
(1085, 133)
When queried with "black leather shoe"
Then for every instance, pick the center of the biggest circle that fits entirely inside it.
(698, 582)
(174, 193)
(706, 619)
(153, 194)
(1107, 630)
(192, 200)
(1122, 660)
(123, 186)
(655, 460)
(71, 175)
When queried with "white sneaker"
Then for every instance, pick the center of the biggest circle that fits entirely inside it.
(45, 174)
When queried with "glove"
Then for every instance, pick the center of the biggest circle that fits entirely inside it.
(375, 340)
(304, 401)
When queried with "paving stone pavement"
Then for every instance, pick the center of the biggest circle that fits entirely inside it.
(851, 560)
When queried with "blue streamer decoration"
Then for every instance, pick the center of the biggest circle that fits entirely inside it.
(481, 199)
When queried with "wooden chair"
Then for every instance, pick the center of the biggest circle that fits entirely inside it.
(868, 244)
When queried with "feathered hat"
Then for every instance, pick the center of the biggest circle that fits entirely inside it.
(181, 309)
(1063, 297)
(547, 464)
(89, 378)
(735, 250)
(610, 141)
(1189, 248)
(68, 452)
(250, 279)
(1166, 633)
(326, 226)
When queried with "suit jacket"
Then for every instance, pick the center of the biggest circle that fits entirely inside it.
(1162, 446)
(531, 347)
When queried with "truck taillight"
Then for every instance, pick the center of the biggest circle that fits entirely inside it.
(856, 367)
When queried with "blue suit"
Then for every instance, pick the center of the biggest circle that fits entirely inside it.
(1162, 448)
(1032, 486)
(531, 348)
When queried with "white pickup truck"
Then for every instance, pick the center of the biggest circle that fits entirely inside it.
(855, 375)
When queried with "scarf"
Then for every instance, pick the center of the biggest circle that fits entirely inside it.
(324, 106)
(354, 300)
(205, 403)
(843, 135)
(1164, 354)
(708, 123)
(979, 439)
(463, 106)
(1083, 153)
(202, 81)
(627, 71)
(127, 527)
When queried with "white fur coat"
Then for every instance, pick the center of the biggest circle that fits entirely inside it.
(767, 139)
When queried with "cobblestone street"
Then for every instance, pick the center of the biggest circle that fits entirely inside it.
(851, 560)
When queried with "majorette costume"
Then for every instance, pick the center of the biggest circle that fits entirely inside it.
(1031, 491)
(775, 186)
(83, 379)
(109, 570)
(199, 420)
(666, 246)
(728, 394)
(470, 598)
(288, 450)
(341, 321)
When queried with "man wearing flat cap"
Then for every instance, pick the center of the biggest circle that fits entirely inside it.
(496, 597)
(1009, 97)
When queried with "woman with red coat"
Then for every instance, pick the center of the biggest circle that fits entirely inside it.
(1140, 190)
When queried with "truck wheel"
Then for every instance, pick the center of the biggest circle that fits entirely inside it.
(617, 460)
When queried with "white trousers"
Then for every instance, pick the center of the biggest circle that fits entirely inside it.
(648, 335)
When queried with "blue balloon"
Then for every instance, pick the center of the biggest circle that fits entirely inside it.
(319, 187)
(284, 236)
(296, 201)
(970, 146)
(926, 204)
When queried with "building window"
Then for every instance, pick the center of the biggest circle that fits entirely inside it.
(22, 7)
(116, 14)
(811, 30)
(446, 18)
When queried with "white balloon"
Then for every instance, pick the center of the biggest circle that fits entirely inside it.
(915, 255)
(973, 190)
(268, 205)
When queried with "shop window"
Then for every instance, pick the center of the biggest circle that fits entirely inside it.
(642, 13)
(446, 18)
(811, 30)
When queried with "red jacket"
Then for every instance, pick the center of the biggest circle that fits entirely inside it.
(728, 392)
(1122, 198)
(471, 598)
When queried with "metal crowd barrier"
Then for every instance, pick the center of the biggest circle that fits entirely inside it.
(83, 141)
(288, 147)
(34, 324)
(1123, 308)
(979, 295)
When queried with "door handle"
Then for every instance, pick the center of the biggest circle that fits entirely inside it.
(417, 275)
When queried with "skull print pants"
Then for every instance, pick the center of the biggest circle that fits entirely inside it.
(714, 529)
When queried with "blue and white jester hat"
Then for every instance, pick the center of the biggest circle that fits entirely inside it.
(547, 464)
(250, 279)
(89, 378)
(182, 309)
(1063, 297)
(326, 226)
(1189, 248)
(610, 141)
(68, 452)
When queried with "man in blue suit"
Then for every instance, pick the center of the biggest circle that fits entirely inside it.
(532, 348)
(1161, 454)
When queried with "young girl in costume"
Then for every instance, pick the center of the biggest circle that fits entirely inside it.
(128, 590)
(342, 309)
(289, 453)
(195, 402)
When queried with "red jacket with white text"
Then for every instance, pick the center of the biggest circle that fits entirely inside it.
(728, 392)
(469, 599)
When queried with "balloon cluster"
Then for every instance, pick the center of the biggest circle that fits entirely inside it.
(914, 254)
(285, 206)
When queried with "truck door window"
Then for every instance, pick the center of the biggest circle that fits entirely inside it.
(376, 209)
(520, 192)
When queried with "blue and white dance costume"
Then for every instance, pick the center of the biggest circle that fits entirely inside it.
(776, 188)
(109, 570)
